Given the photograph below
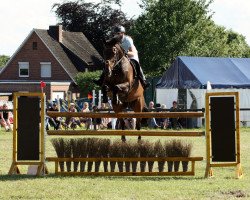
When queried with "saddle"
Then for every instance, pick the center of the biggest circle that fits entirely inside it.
(134, 64)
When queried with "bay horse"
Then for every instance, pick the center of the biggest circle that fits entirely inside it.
(124, 88)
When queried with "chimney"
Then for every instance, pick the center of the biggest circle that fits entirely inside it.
(56, 32)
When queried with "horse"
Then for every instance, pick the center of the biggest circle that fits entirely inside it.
(123, 87)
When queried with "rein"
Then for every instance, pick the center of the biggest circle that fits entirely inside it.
(117, 63)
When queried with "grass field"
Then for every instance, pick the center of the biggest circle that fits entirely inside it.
(222, 186)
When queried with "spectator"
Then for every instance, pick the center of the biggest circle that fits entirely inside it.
(55, 121)
(151, 121)
(86, 120)
(96, 121)
(104, 121)
(113, 120)
(72, 122)
(175, 123)
(5, 118)
(130, 123)
(163, 122)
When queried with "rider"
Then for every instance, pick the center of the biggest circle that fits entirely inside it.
(130, 49)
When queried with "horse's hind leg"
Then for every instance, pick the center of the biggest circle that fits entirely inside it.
(138, 127)
(138, 107)
(119, 108)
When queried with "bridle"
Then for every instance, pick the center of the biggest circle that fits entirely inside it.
(117, 60)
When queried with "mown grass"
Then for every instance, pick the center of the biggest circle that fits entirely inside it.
(222, 186)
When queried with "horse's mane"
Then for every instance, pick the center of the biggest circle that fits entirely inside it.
(113, 41)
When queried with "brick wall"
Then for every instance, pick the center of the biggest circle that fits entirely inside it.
(34, 57)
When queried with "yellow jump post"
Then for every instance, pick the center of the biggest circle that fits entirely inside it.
(29, 133)
(222, 135)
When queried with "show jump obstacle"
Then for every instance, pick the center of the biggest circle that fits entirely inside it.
(222, 131)
(28, 132)
(143, 133)
(222, 135)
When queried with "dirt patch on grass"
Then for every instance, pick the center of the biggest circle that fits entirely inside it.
(236, 194)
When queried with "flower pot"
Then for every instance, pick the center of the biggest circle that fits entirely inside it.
(161, 165)
(143, 166)
(120, 166)
(176, 166)
(90, 165)
(134, 166)
(68, 165)
(97, 166)
(61, 164)
(105, 166)
(112, 166)
(150, 166)
(75, 166)
(170, 166)
(185, 166)
(82, 166)
(127, 166)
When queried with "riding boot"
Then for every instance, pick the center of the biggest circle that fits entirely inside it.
(99, 82)
(142, 77)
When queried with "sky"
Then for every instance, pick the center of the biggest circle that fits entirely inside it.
(19, 17)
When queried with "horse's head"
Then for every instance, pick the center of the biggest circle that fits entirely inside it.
(113, 54)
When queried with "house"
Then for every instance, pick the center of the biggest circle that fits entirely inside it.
(53, 56)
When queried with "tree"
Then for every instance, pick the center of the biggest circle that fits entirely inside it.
(85, 81)
(3, 60)
(170, 28)
(94, 20)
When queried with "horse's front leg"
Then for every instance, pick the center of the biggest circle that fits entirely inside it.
(115, 99)
(119, 88)
(138, 126)
(122, 124)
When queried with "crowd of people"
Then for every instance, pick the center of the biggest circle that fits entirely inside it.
(56, 123)
(164, 123)
(109, 123)
(74, 122)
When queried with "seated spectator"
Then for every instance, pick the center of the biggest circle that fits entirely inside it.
(104, 121)
(151, 121)
(113, 122)
(72, 122)
(96, 121)
(130, 123)
(54, 121)
(5, 118)
(175, 122)
(163, 122)
(86, 121)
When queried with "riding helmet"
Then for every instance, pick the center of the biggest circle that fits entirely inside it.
(118, 29)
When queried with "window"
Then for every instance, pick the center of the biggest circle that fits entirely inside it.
(34, 45)
(23, 69)
(45, 69)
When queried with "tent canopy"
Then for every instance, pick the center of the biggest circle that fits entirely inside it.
(195, 72)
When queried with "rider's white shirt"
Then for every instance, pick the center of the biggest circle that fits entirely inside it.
(127, 43)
